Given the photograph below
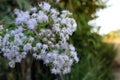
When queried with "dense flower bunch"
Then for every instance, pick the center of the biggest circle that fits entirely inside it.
(42, 32)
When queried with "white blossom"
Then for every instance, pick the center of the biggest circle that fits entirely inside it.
(11, 64)
(31, 23)
(44, 33)
(33, 9)
(72, 48)
(45, 6)
(27, 47)
(45, 46)
(31, 39)
(57, 1)
(1, 27)
(38, 45)
(42, 17)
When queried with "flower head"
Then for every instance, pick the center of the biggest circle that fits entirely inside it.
(44, 33)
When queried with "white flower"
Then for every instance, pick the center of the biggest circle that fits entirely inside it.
(27, 47)
(67, 70)
(12, 64)
(65, 13)
(72, 48)
(34, 55)
(16, 11)
(38, 45)
(45, 39)
(33, 9)
(22, 17)
(42, 17)
(39, 57)
(45, 6)
(73, 53)
(54, 11)
(70, 62)
(73, 23)
(23, 54)
(31, 39)
(31, 23)
(55, 51)
(56, 27)
(43, 51)
(18, 58)
(34, 15)
(55, 71)
(45, 46)
(46, 61)
(57, 1)
(1, 27)
(35, 49)
(76, 59)
(55, 56)
(44, 32)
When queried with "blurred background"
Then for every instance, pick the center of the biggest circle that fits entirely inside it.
(96, 40)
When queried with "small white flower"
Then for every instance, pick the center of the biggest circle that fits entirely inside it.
(67, 70)
(34, 15)
(50, 43)
(54, 11)
(35, 49)
(38, 45)
(23, 54)
(45, 46)
(27, 47)
(65, 13)
(11, 64)
(22, 17)
(33, 9)
(57, 1)
(31, 39)
(18, 58)
(43, 51)
(76, 59)
(56, 27)
(1, 27)
(16, 11)
(42, 17)
(55, 71)
(31, 23)
(45, 39)
(70, 62)
(35, 55)
(38, 57)
(45, 6)
(72, 48)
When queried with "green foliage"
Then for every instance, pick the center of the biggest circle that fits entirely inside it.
(7, 7)
(95, 56)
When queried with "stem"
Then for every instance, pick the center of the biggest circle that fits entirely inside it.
(61, 77)
(23, 69)
(28, 71)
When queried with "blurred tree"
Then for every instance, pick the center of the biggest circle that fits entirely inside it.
(95, 56)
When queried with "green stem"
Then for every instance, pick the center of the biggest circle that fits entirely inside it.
(61, 77)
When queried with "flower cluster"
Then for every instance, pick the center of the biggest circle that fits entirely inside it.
(42, 32)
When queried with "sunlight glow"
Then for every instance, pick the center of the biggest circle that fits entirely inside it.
(109, 18)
